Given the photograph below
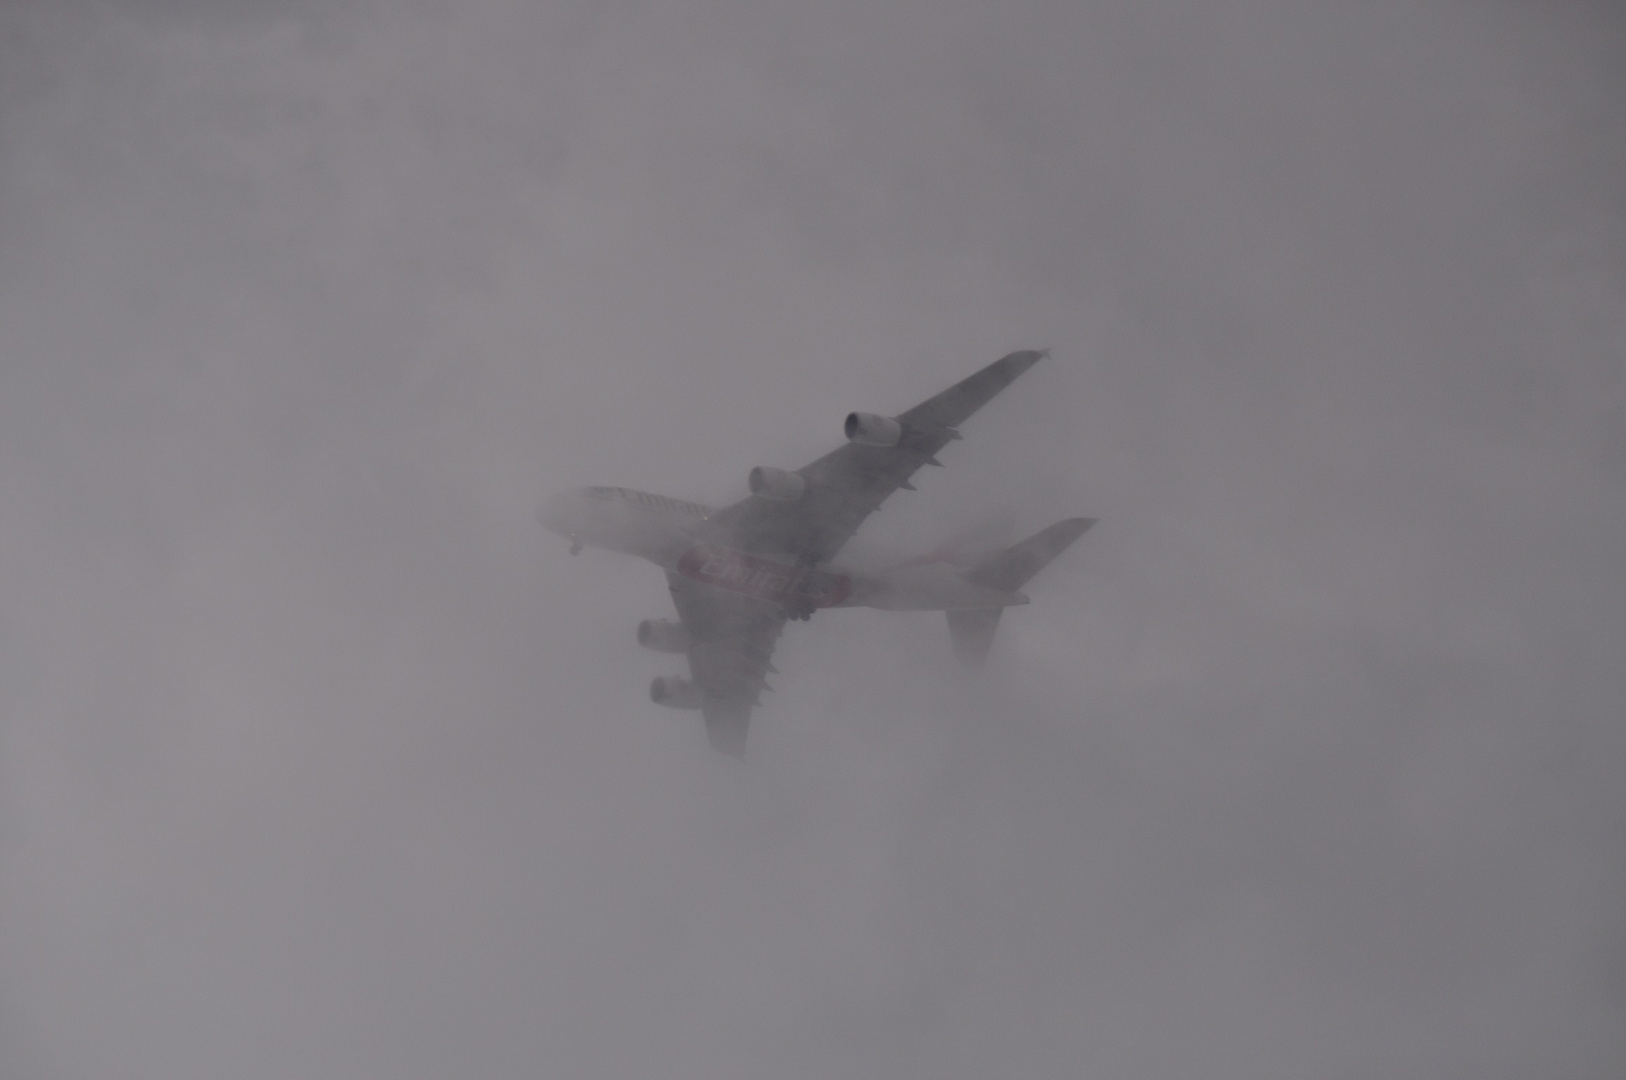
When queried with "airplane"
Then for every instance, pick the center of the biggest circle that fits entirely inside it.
(739, 573)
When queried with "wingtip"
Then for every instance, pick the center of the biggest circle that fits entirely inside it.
(1026, 358)
(1022, 359)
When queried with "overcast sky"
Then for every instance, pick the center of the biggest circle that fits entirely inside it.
(318, 758)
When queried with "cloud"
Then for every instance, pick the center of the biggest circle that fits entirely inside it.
(318, 758)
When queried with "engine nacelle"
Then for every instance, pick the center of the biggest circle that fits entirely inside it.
(675, 693)
(663, 635)
(776, 484)
(867, 429)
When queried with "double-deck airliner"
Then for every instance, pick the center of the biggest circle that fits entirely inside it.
(739, 573)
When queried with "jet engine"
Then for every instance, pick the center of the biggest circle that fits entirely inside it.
(776, 484)
(867, 429)
(674, 693)
(663, 635)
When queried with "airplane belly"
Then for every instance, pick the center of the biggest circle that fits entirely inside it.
(764, 579)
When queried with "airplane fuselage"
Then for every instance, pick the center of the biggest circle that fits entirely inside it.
(674, 535)
(651, 527)
(737, 574)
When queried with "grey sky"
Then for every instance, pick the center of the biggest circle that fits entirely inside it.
(317, 758)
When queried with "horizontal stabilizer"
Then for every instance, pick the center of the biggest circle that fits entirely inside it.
(1010, 569)
(972, 631)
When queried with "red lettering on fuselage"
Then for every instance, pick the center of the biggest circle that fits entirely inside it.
(764, 579)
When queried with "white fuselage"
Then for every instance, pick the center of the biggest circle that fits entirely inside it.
(677, 536)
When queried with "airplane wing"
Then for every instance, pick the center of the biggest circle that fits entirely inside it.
(732, 635)
(845, 486)
(732, 638)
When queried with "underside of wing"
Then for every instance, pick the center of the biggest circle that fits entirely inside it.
(848, 484)
(731, 643)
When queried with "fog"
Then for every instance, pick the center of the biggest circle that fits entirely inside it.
(318, 757)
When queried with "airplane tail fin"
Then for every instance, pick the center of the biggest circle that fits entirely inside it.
(972, 631)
